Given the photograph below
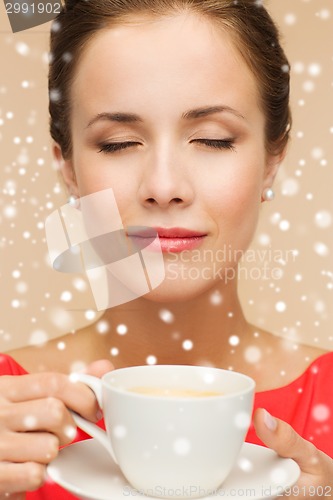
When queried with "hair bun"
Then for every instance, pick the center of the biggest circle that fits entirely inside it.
(70, 4)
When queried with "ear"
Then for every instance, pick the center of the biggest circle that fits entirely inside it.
(66, 170)
(273, 162)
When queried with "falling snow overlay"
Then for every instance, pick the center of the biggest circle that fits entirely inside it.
(297, 297)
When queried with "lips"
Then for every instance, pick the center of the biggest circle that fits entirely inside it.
(178, 232)
(174, 239)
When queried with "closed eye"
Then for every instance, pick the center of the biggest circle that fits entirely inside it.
(113, 147)
(217, 143)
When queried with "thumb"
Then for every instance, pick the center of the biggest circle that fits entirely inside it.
(13, 496)
(99, 368)
(281, 437)
(96, 369)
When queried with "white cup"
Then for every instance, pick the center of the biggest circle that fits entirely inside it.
(172, 445)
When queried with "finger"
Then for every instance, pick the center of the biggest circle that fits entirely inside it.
(39, 447)
(12, 496)
(99, 368)
(281, 437)
(50, 415)
(22, 388)
(15, 478)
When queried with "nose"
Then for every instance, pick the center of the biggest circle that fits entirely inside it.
(165, 182)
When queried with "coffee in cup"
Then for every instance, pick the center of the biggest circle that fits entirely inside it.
(173, 392)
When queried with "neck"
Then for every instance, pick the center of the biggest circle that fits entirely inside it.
(197, 331)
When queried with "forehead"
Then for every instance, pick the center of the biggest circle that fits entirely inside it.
(182, 57)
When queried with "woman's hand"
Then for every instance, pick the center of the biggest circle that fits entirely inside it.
(316, 479)
(35, 421)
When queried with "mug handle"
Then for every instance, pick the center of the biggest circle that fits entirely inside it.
(95, 384)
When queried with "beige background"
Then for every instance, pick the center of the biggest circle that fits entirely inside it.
(38, 303)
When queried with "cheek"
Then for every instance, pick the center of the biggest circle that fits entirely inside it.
(92, 176)
(235, 204)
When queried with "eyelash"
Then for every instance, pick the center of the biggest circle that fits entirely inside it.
(114, 147)
(217, 143)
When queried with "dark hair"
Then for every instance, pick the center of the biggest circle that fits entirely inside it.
(247, 21)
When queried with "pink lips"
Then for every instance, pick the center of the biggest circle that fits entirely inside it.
(174, 239)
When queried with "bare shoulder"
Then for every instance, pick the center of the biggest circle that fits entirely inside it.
(285, 360)
(313, 352)
(298, 360)
(288, 346)
(58, 355)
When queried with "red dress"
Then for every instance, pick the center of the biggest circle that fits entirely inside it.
(306, 404)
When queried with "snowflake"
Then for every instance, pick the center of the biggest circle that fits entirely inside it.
(66, 296)
(187, 345)
(278, 475)
(55, 95)
(314, 69)
(321, 413)
(182, 446)
(309, 86)
(216, 298)
(102, 327)
(67, 57)
(323, 219)
(70, 431)
(290, 19)
(245, 464)
(151, 360)
(30, 422)
(90, 315)
(317, 153)
(22, 48)
(38, 337)
(284, 225)
(119, 431)
(321, 249)
(166, 316)
(56, 26)
(280, 306)
(122, 329)
(234, 340)
(252, 354)
(61, 346)
(324, 14)
(242, 420)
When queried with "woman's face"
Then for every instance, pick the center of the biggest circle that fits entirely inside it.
(166, 113)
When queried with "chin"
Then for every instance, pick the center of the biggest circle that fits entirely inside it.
(178, 291)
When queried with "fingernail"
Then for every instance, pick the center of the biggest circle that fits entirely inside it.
(99, 415)
(270, 421)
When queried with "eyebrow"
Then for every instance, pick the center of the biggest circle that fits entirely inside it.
(116, 117)
(210, 110)
(188, 115)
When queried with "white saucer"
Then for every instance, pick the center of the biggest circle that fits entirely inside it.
(86, 470)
